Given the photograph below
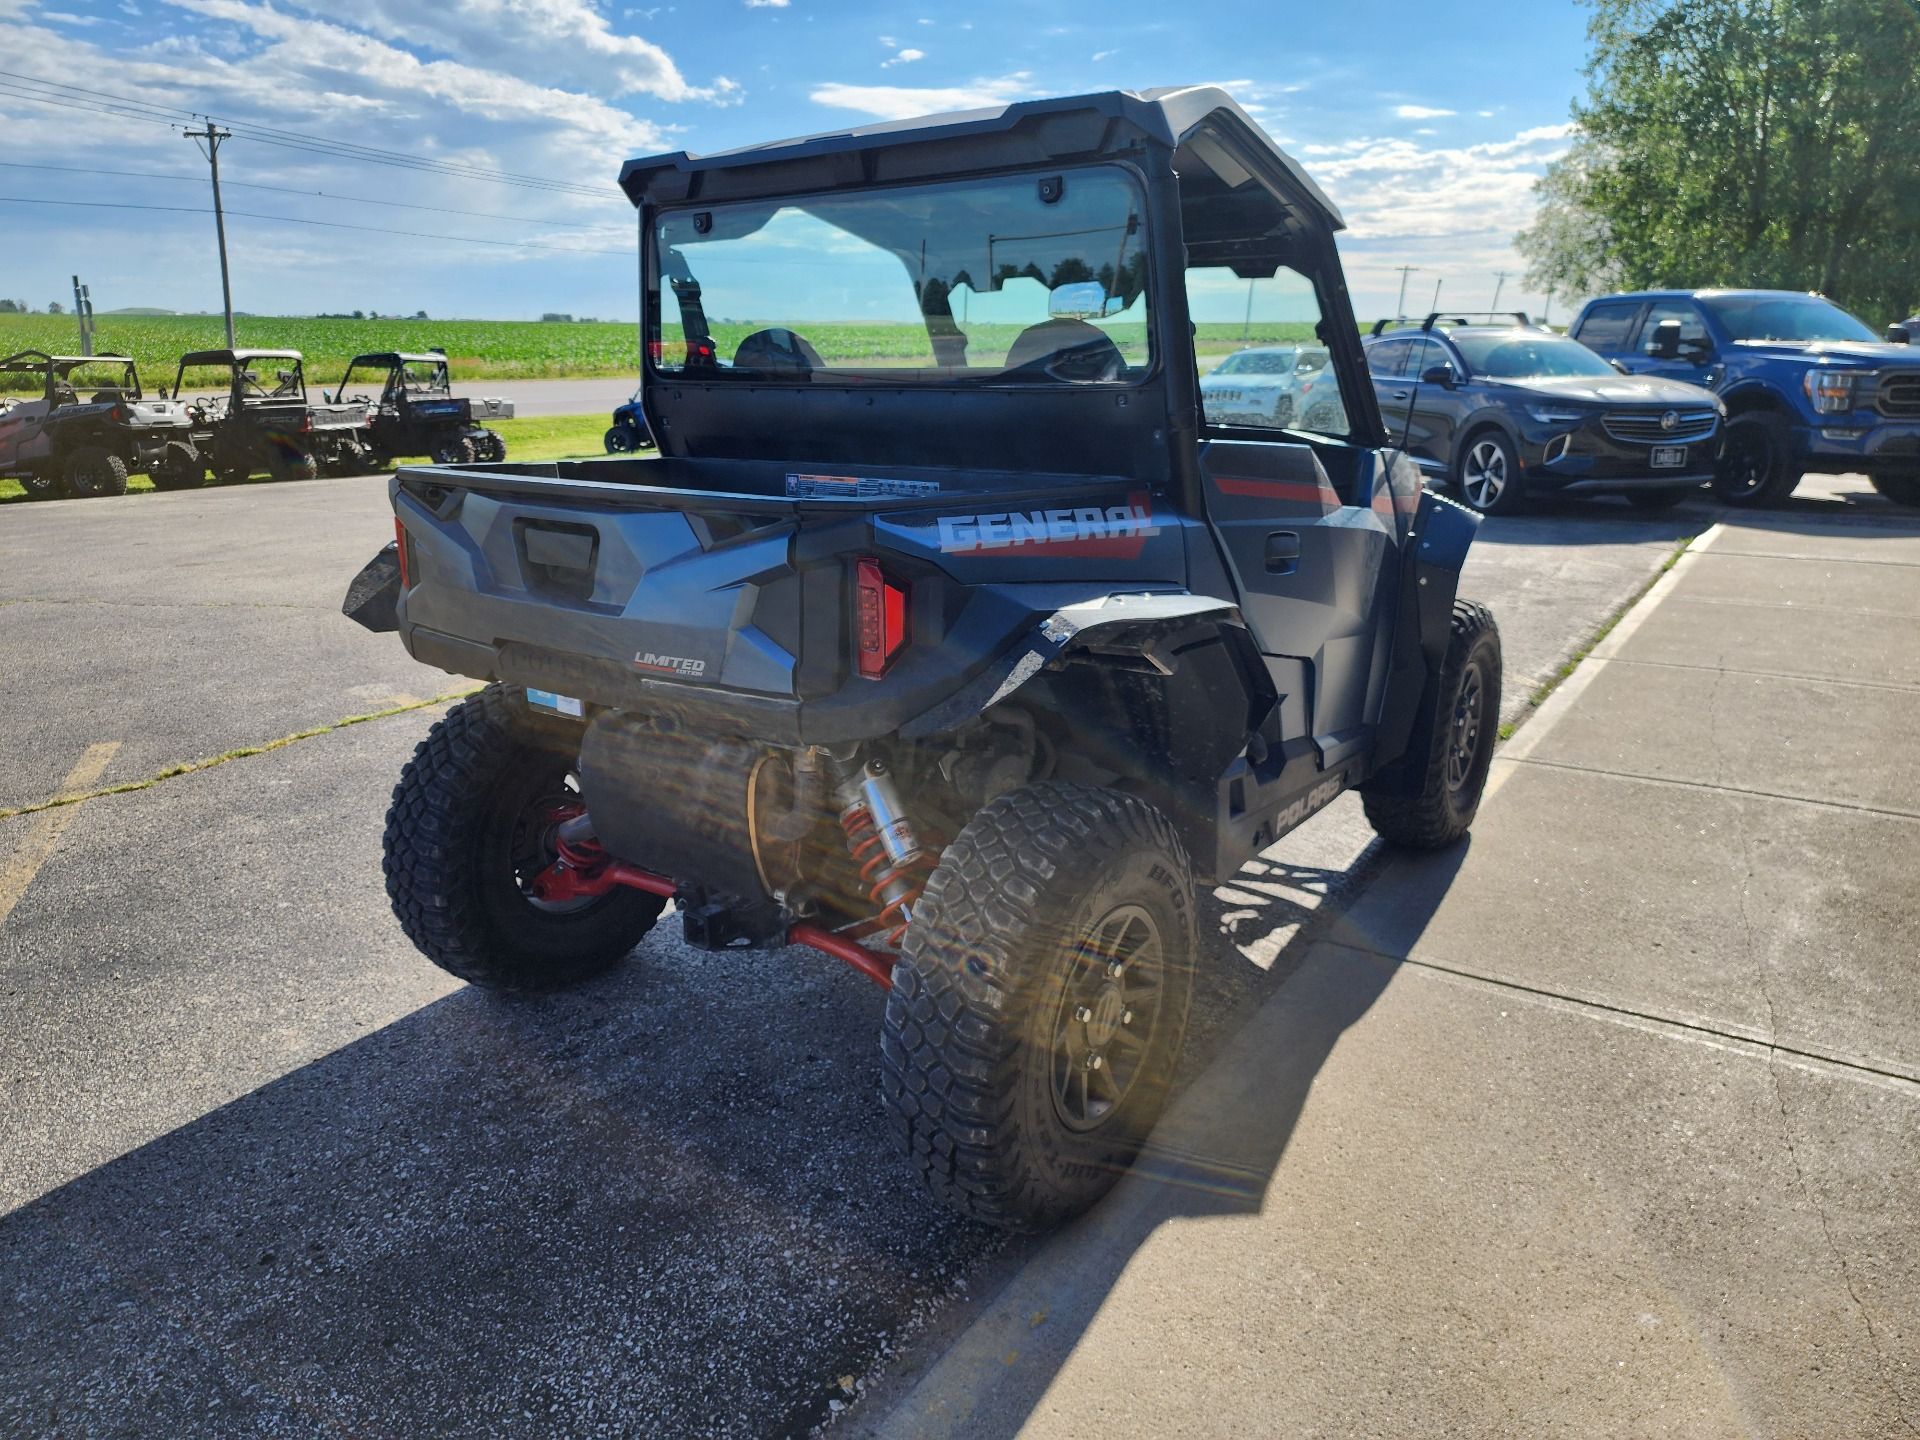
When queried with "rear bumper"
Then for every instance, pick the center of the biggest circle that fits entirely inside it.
(1865, 445)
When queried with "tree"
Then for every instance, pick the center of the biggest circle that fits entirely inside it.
(54, 308)
(7, 307)
(1767, 143)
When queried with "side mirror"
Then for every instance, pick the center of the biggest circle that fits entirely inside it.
(1441, 375)
(1621, 366)
(1665, 344)
(1899, 335)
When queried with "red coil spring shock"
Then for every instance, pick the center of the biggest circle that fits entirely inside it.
(895, 874)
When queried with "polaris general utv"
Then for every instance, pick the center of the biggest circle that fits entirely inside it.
(954, 643)
(266, 423)
(84, 425)
(417, 412)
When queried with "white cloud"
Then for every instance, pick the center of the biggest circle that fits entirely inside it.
(1100, 55)
(1421, 112)
(901, 102)
(768, 4)
(904, 57)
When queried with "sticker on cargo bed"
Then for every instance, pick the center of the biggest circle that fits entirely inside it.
(559, 704)
(1086, 530)
(681, 665)
(854, 487)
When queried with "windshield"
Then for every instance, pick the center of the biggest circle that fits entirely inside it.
(1017, 279)
(1264, 362)
(1785, 317)
(94, 376)
(1529, 355)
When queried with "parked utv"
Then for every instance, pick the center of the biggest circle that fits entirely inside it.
(629, 429)
(967, 667)
(84, 426)
(417, 412)
(267, 423)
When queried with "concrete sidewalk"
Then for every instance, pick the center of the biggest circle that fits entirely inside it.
(1607, 1123)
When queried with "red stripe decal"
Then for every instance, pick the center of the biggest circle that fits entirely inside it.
(1277, 490)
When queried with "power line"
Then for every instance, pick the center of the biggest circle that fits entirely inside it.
(14, 84)
(296, 220)
(289, 190)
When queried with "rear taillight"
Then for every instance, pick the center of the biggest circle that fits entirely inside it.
(400, 550)
(880, 619)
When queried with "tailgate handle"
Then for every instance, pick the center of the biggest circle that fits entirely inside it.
(558, 558)
(1283, 552)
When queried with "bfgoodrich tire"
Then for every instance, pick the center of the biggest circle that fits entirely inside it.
(470, 825)
(1039, 1003)
(1438, 807)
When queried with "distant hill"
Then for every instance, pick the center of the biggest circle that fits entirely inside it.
(137, 310)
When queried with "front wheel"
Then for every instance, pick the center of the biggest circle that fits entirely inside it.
(1488, 474)
(43, 485)
(1438, 804)
(1756, 466)
(471, 825)
(93, 471)
(1901, 489)
(1040, 1002)
(621, 440)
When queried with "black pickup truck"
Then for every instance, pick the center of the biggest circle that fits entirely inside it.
(965, 657)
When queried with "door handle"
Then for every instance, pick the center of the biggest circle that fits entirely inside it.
(1283, 552)
(1401, 394)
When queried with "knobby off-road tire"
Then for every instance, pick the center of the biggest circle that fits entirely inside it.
(293, 465)
(1756, 461)
(1466, 694)
(470, 824)
(1005, 988)
(43, 485)
(178, 468)
(621, 440)
(1901, 489)
(457, 451)
(93, 471)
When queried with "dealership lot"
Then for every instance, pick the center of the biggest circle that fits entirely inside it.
(263, 1169)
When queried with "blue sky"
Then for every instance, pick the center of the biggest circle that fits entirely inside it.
(1426, 123)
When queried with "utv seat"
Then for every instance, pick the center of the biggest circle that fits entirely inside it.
(777, 349)
(1068, 350)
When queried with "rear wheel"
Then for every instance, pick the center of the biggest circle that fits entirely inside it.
(622, 440)
(1488, 474)
(1657, 500)
(489, 447)
(457, 451)
(471, 824)
(178, 468)
(1437, 807)
(1756, 460)
(1901, 489)
(293, 465)
(1040, 1002)
(93, 471)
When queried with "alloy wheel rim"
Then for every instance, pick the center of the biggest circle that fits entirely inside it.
(1486, 475)
(1468, 718)
(1104, 1026)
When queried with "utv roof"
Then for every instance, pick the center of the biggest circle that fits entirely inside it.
(35, 359)
(237, 357)
(399, 357)
(1026, 132)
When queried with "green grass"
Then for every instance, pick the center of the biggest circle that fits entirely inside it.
(539, 437)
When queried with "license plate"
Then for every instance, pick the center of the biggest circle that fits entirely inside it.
(559, 704)
(1669, 457)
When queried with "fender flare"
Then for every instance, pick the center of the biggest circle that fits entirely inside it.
(1099, 617)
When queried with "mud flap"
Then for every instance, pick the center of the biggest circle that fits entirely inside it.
(375, 592)
(1423, 625)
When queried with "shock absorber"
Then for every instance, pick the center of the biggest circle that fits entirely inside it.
(893, 863)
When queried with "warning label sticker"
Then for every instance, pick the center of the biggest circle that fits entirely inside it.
(854, 487)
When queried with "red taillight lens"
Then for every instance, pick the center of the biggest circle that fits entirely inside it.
(400, 549)
(880, 619)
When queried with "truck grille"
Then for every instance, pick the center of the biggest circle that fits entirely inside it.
(1900, 395)
(1647, 427)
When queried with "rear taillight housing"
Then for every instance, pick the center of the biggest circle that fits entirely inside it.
(879, 619)
(400, 552)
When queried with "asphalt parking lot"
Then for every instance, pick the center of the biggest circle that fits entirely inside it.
(263, 1170)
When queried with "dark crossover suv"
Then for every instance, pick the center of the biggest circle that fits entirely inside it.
(1503, 411)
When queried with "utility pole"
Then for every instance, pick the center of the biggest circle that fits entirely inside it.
(83, 310)
(211, 150)
(1246, 326)
(1400, 310)
(1499, 284)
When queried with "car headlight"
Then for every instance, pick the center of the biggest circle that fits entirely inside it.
(1547, 415)
(1833, 391)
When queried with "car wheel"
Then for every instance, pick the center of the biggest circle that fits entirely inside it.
(471, 824)
(1756, 460)
(1040, 1002)
(620, 440)
(178, 468)
(1488, 474)
(92, 471)
(1283, 413)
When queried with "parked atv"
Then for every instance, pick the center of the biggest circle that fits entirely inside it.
(264, 421)
(629, 429)
(84, 426)
(417, 412)
(968, 671)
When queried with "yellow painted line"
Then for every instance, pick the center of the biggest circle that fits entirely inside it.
(17, 873)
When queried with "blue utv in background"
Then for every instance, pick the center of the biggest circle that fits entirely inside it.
(629, 429)
(1808, 388)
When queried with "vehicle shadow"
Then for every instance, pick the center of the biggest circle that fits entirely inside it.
(1251, 1066)
(663, 1203)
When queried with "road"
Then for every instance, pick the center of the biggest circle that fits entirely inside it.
(251, 1142)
